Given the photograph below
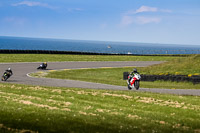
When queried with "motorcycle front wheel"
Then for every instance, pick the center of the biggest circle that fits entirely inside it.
(3, 78)
(137, 84)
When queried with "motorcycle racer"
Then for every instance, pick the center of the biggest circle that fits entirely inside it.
(132, 75)
(43, 66)
(9, 72)
(134, 71)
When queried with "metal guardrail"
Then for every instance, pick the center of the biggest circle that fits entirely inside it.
(195, 79)
(10, 51)
(13, 51)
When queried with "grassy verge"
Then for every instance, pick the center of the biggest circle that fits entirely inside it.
(113, 76)
(50, 109)
(185, 66)
(57, 57)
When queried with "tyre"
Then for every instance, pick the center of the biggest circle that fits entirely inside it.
(129, 87)
(137, 84)
(44, 68)
(3, 78)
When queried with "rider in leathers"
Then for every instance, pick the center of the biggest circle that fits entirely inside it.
(132, 74)
(9, 72)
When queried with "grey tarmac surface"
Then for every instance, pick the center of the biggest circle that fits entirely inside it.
(21, 71)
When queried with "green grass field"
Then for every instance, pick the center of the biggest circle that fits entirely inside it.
(50, 109)
(62, 57)
(26, 108)
(113, 76)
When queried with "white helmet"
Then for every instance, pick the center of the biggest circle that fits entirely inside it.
(9, 69)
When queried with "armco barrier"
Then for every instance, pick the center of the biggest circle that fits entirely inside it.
(195, 79)
(13, 51)
(125, 75)
(7, 51)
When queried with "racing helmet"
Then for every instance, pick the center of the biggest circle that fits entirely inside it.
(135, 70)
(9, 69)
(45, 63)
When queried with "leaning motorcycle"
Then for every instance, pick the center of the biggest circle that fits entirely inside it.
(134, 81)
(42, 67)
(5, 76)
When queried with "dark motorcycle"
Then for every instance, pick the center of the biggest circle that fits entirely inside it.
(5, 76)
(42, 66)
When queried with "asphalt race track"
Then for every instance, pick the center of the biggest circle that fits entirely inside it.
(21, 71)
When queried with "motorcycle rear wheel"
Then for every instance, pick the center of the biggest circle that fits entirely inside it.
(129, 87)
(3, 79)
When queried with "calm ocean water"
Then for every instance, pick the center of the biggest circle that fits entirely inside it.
(20, 43)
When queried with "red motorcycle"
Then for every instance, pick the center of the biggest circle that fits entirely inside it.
(134, 81)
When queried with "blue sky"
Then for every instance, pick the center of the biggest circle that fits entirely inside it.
(149, 21)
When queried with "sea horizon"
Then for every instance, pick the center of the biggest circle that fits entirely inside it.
(31, 43)
(127, 42)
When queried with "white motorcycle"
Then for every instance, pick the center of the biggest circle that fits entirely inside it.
(134, 81)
